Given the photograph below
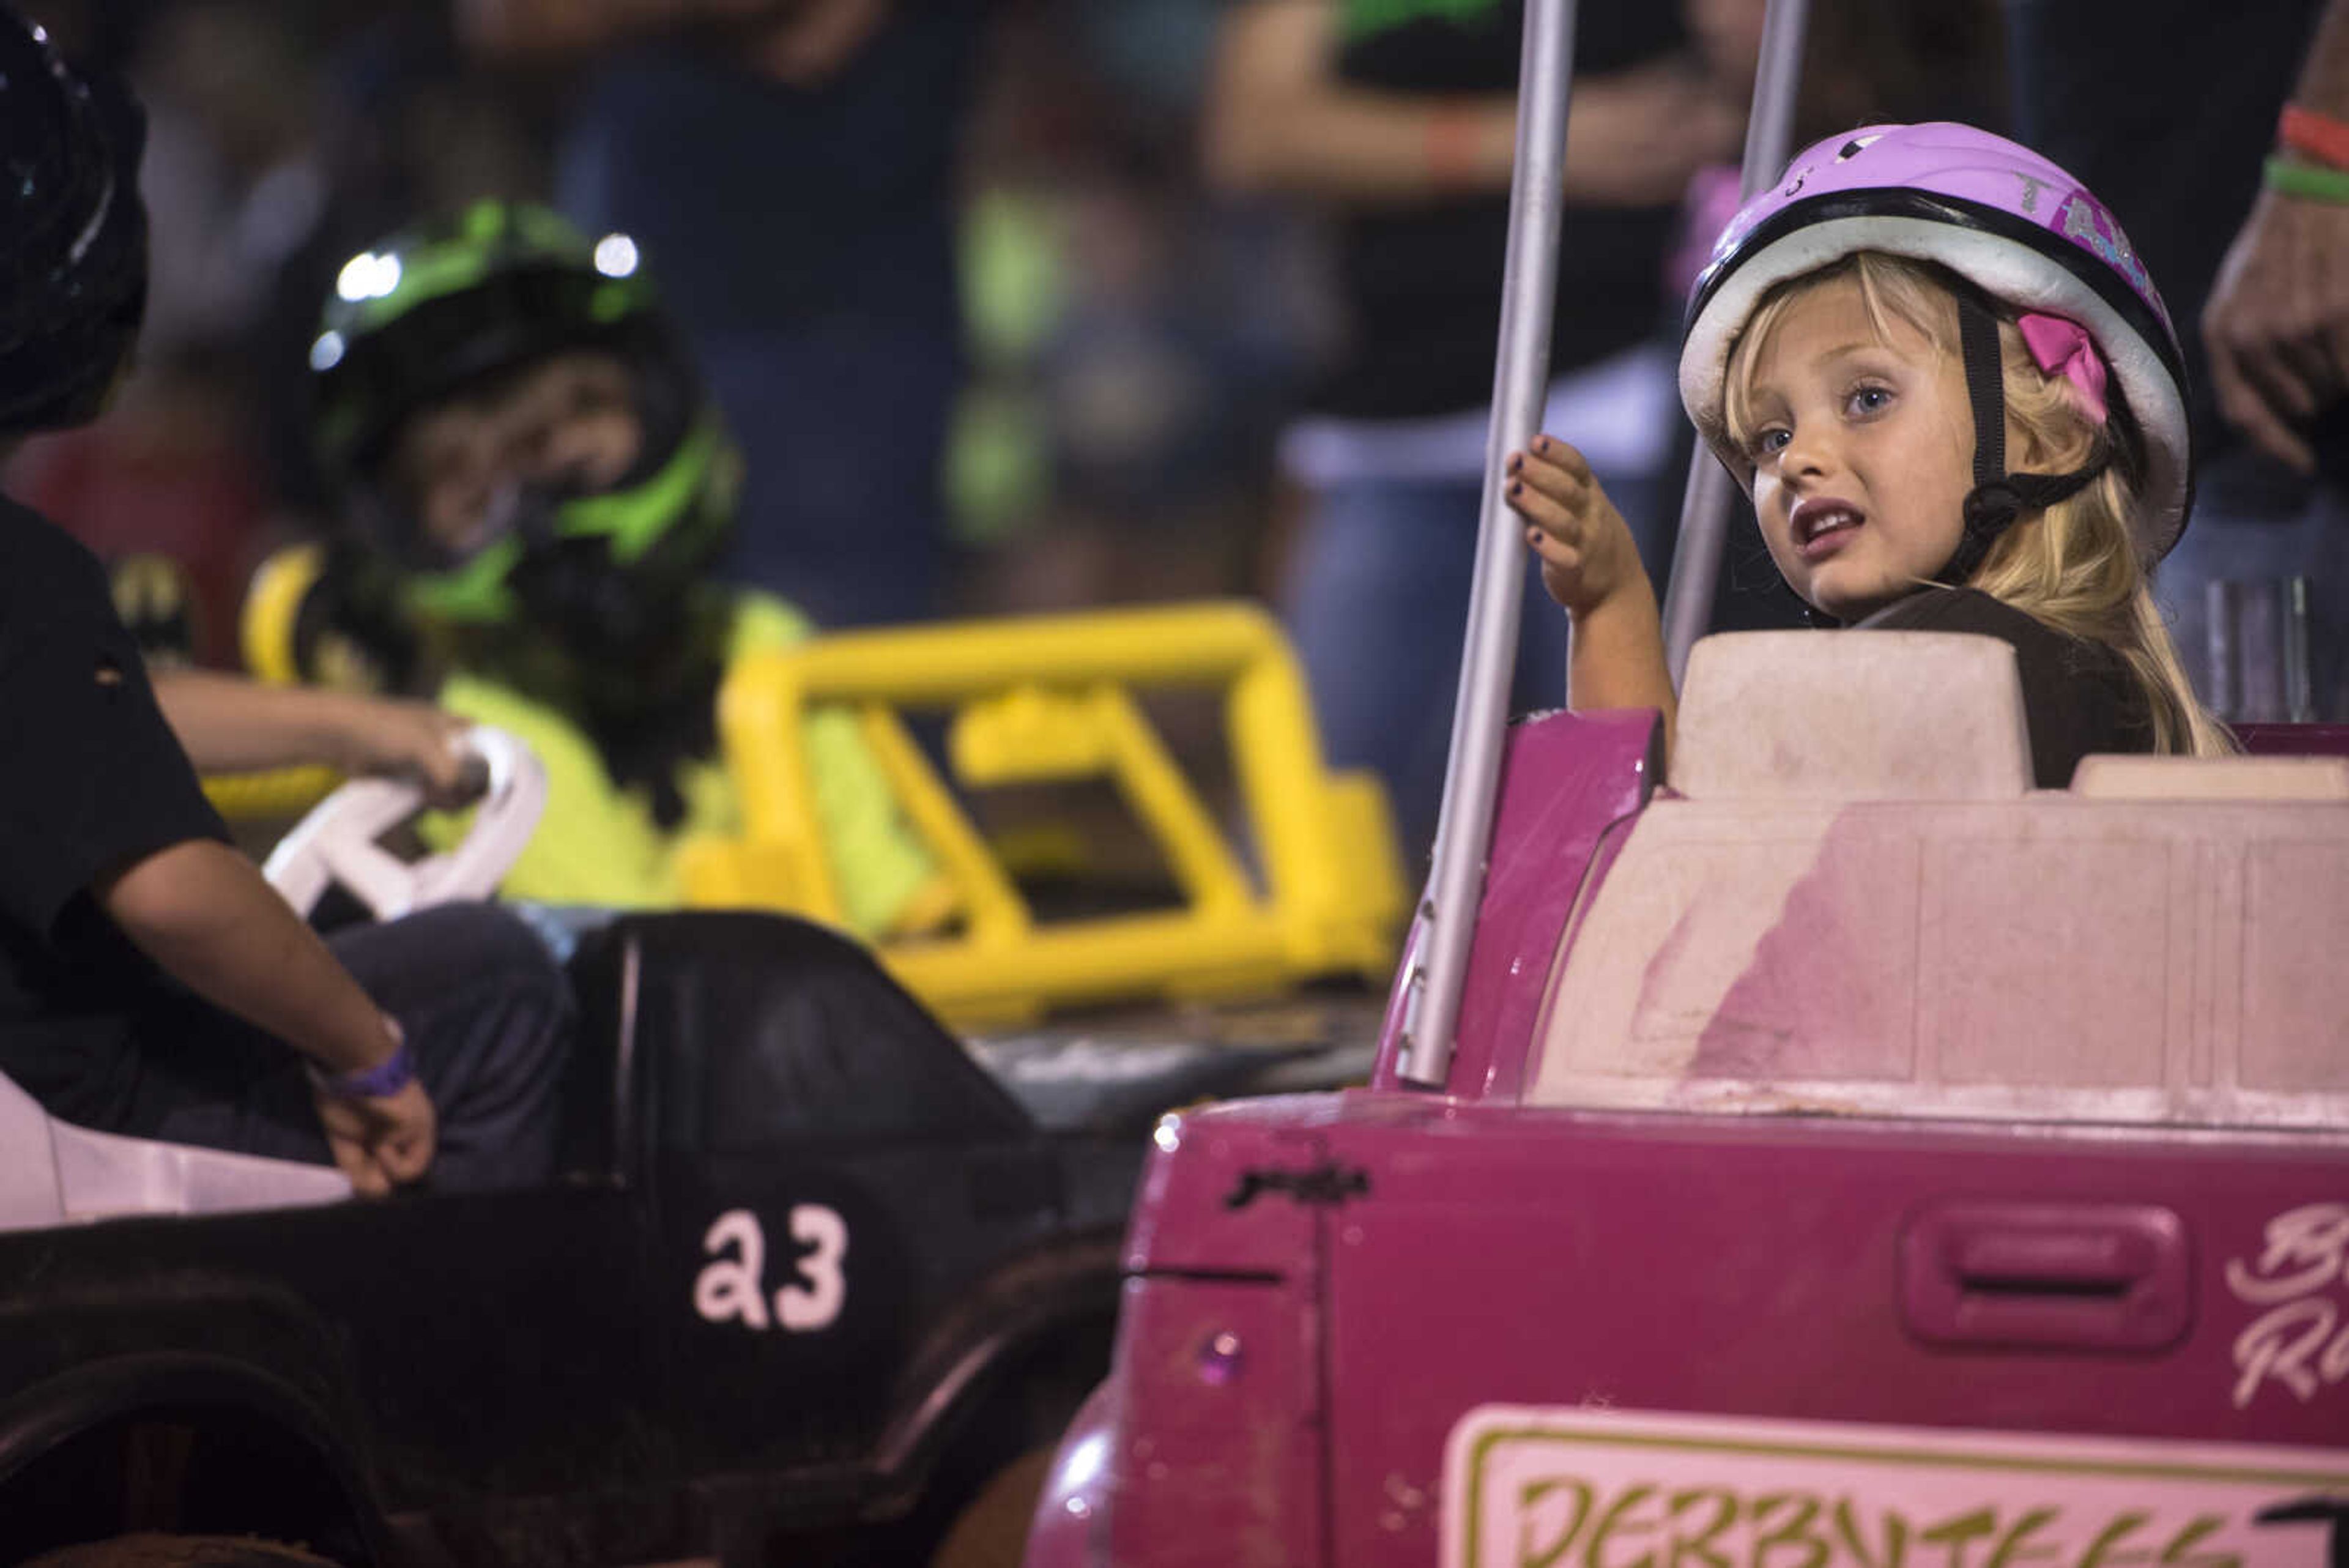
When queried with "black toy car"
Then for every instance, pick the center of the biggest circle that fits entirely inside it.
(813, 1286)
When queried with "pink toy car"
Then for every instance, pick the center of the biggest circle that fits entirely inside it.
(1841, 1154)
(1851, 1156)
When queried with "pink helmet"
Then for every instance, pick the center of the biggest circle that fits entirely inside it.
(1996, 213)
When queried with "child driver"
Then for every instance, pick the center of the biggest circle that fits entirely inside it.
(540, 488)
(1875, 338)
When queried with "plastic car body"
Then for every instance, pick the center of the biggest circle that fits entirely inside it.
(1850, 1155)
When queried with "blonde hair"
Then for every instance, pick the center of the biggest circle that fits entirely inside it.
(2072, 566)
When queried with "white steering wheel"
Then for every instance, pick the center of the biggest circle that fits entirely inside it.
(335, 842)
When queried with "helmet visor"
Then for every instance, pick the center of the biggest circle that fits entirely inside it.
(493, 462)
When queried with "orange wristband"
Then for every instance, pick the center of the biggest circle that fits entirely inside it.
(2313, 135)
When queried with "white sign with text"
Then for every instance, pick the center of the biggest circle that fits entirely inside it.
(1562, 1487)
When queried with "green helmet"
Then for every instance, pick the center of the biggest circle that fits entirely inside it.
(426, 313)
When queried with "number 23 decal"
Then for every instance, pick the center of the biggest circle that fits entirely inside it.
(732, 1285)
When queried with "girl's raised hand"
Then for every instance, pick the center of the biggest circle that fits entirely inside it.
(1586, 552)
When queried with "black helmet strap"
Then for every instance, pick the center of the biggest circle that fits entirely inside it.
(1998, 497)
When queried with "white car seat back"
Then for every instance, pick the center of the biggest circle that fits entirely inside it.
(2212, 778)
(53, 1172)
(1895, 715)
(1820, 921)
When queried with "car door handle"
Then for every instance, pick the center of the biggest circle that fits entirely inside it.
(2088, 1276)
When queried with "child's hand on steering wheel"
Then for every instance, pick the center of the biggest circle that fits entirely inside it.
(1586, 552)
(414, 741)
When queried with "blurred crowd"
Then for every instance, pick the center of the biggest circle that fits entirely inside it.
(1125, 344)
(1087, 407)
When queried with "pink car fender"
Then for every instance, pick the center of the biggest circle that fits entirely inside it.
(1072, 1513)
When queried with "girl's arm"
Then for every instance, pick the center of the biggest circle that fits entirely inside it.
(1615, 657)
(1591, 566)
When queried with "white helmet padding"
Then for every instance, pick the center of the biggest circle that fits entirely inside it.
(2023, 265)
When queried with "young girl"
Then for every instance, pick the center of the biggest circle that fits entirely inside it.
(1875, 339)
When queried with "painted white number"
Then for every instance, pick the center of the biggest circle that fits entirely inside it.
(805, 1310)
(733, 1287)
(732, 1284)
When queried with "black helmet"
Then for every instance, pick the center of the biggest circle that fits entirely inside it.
(423, 313)
(76, 234)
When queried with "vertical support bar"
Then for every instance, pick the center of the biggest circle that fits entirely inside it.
(1488, 660)
(2299, 693)
(1705, 506)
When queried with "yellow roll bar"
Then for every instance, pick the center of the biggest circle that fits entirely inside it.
(266, 797)
(1052, 697)
(272, 603)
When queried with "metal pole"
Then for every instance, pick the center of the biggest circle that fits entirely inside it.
(1705, 506)
(1520, 379)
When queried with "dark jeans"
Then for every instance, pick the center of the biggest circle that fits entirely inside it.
(2256, 523)
(488, 1016)
(1377, 599)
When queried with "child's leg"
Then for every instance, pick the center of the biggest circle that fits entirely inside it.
(207, 1077)
(1376, 599)
(2257, 524)
(844, 424)
(488, 1015)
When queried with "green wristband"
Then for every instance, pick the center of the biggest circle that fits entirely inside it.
(2308, 182)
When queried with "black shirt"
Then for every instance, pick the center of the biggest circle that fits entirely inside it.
(91, 780)
(2077, 696)
(2164, 109)
(1421, 284)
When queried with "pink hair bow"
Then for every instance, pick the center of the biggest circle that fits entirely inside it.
(2061, 347)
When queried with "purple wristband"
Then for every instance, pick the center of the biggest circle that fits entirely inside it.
(386, 1077)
